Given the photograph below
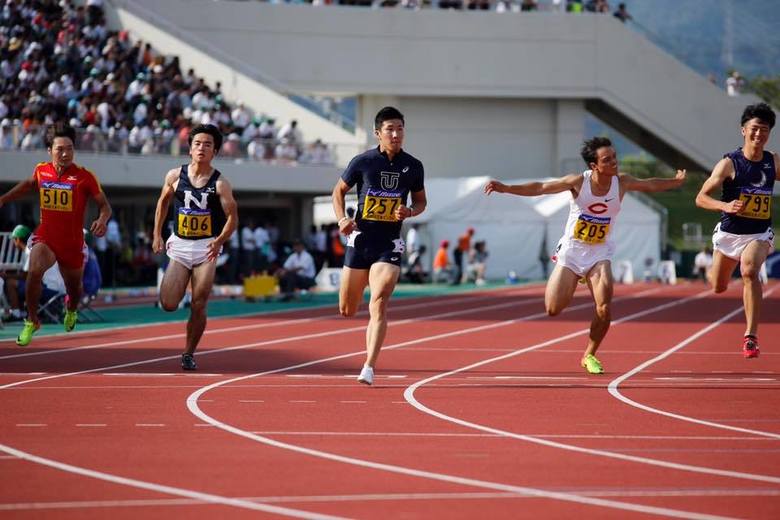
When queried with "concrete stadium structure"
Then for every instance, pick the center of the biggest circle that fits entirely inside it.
(484, 93)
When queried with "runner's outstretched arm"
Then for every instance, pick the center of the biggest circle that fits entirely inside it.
(531, 189)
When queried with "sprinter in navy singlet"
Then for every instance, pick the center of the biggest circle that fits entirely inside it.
(204, 217)
(744, 234)
(386, 178)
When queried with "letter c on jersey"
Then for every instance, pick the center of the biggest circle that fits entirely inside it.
(598, 208)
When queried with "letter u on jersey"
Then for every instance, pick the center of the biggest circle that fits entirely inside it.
(389, 180)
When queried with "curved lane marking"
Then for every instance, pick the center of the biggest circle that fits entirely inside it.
(192, 404)
(613, 385)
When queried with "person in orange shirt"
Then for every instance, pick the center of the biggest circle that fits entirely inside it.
(441, 263)
(463, 248)
(64, 189)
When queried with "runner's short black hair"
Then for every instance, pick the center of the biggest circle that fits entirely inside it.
(212, 130)
(386, 114)
(761, 111)
(589, 147)
(59, 130)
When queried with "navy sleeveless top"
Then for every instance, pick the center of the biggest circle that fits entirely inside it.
(753, 183)
(197, 212)
(382, 186)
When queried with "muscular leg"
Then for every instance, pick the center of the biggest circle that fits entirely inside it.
(202, 282)
(381, 280)
(721, 271)
(173, 286)
(560, 290)
(12, 293)
(41, 259)
(353, 283)
(73, 285)
(753, 257)
(600, 284)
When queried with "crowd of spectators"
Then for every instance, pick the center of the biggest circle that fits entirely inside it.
(575, 6)
(59, 62)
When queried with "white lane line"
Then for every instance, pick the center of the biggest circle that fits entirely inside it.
(409, 396)
(301, 401)
(91, 425)
(289, 339)
(615, 383)
(251, 401)
(533, 378)
(31, 425)
(206, 497)
(374, 497)
(161, 488)
(149, 425)
(692, 438)
(353, 402)
(192, 405)
(720, 379)
(161, 374)
(525, 291)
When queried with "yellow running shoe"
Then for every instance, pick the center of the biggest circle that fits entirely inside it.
(71, 317)
(25, 336)
(592, 365)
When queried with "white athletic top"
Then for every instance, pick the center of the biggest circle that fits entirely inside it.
(592, 219)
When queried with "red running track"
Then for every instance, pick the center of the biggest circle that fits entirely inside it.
(479, 410)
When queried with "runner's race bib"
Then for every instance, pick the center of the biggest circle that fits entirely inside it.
(380, 205)
(758, 204)
(193, 223)
(56, 196)
(592, 230)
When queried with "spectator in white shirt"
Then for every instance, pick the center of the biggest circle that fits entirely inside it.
(241, 117)
(297, 273)
(262, 243)
(291, 132)
(248, 248)
(734, 84)
(412, 239)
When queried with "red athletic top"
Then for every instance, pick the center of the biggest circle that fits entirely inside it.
(63, 202)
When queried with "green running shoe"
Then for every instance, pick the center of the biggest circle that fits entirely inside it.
(592, 365)
(70, 319)
(25, 336)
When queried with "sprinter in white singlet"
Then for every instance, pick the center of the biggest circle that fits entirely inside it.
(585, 250)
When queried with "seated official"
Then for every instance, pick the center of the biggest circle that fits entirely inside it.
(14, 278)
(442, 269)
(414, 271)
(477, 263)
(297, 272)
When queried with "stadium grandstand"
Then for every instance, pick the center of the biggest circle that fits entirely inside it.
(294, 87)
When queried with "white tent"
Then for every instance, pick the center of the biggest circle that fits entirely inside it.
(512, 231)
(522, 232)
(637, 231)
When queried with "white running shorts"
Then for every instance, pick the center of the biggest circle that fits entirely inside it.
(189, 253)
(580, 258)
(732, 245)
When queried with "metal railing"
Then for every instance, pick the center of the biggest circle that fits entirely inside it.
(166, 142)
